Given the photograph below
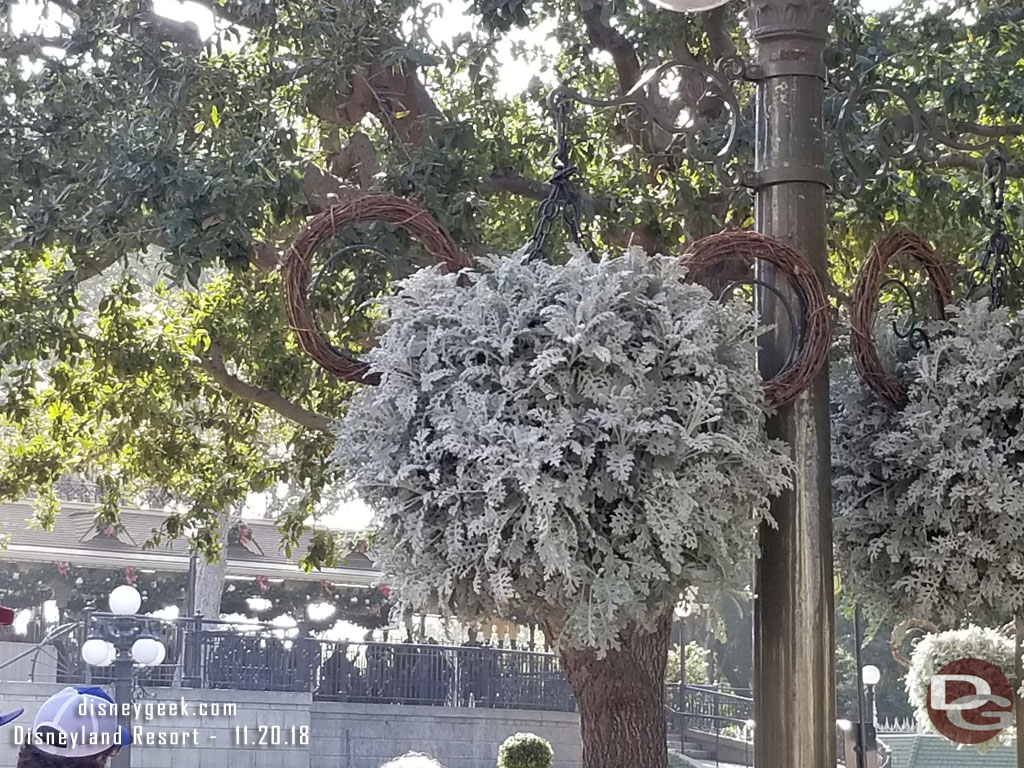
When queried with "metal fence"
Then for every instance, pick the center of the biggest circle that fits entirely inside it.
(464, 676)
(704, 708)
(210, 654)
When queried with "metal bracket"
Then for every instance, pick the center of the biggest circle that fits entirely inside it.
(791, 173)
(796, 66)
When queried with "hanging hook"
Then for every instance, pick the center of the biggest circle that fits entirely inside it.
(563, 196)
(994, 176)
(996, 265)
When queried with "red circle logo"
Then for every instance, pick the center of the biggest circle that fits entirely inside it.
(970, 701)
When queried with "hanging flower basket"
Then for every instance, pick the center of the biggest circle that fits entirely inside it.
(929, 497)
(576, 443)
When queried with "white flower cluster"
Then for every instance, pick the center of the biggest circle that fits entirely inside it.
(579, 443)
(936, 650)
(929, 499)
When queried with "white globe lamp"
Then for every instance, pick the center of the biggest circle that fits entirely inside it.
(689, 6)
(160, 656)
(125, 600)
(146, 651)
(870, 675)
(94, 652)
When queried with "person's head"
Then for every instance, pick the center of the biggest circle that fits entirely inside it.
(75, 728)
(472, 633)
(413, 760)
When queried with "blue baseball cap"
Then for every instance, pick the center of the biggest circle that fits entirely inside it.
(78, 722)
(5, 719)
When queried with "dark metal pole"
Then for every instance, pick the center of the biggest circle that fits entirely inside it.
(123, 671)
(681, 683)
(794, 624)
(1018, 702)
(862, 726)
(190, 594)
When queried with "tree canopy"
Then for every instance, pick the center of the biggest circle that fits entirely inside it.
(153, 171)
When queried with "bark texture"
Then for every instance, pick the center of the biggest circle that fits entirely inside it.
(622, 700)
(209, 586)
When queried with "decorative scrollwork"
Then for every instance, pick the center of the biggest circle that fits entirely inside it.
(678, 112)
(899, 635)
(864, 307)
(728, 259)
(300, 284)
(911, 132)
(911, 331)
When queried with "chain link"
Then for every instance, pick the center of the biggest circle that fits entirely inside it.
(996, 265)
(563, 196)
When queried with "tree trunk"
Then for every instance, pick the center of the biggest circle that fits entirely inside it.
(209, 577)
(622, 700)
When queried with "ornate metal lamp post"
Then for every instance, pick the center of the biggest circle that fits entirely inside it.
(123, 641)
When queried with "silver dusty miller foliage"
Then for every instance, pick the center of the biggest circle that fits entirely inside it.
(578, 443)
(929, 499)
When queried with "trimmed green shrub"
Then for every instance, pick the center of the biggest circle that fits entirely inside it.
(525, 750)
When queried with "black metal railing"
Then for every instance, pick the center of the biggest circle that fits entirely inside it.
(201, 653)
(464, 676)
(710, 710)
(710, 733)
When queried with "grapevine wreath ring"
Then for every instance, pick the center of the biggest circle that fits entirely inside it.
(900, 633)
(298, 266)
(731, 255)
(864, 306)
(708, 255)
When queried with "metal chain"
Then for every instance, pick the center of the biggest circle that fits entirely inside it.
(563, 196)
(996, 265)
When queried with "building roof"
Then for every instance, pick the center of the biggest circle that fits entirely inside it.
(927, 750)
(76, 540)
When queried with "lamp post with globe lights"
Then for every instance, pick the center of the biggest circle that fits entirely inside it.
(119, 638)
(870, 676)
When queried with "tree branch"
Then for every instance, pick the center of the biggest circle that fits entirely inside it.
(31, 46)
(716, 25)
(213, 363)
(1014, 170)
(607, 38)
(992, 131)
(938, 123)
(510, 183)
